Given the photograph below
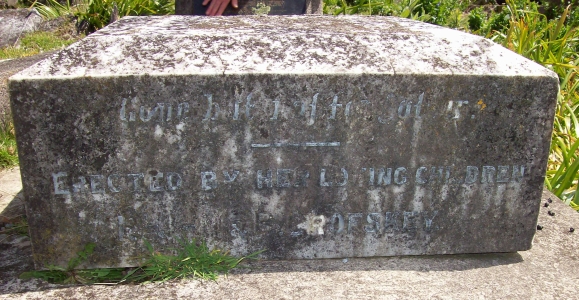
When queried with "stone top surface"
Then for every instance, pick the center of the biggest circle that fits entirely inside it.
(186, 45)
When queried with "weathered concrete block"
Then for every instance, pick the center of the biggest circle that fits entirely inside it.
(311, 137)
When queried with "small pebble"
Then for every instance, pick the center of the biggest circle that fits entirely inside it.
(345, 260)
(571, 229)
(550, 201)
(539, 227)
(546, 204)
(550, 213)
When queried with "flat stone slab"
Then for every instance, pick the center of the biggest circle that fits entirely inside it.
(310, 137)
(547, 271)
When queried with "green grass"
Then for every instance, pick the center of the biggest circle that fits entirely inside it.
(19, 227)
(193, 260)
(8, 150)
(96, 14)
(554, 44)
(35, 43)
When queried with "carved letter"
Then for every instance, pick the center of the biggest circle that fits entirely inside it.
(302, 106)
(374, 221)
(136, 182)
(261, 179)
(340, 223)
(230, 178)
(345, 175)
(208, 180)
(391, 221)
(313, 106)
(57, 183)
(146, 117)
(400, 176)
(428, 220)
(236, 110)
(121, 221)
(110, 183)
(456, 113)
(347, 110)
(123, 110)
(410, 220)
(169, 113)
(323, 181)
(173, 181)
(154, 185)
(488, 174)
(334, 106)
(209, 107)
(402, 112)
(418, 105)
(419, 178)
(302, 179)
(352, 220)
(384, 180)
(275, 109)
(283, 178)
(248, 106)
(503, 174)
(182, 109)
(438, 174)
(371, 171)
(471, 175)
(80, 185)
(96, 184)
(518, 173)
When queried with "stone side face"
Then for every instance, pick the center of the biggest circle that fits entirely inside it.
(302, 164)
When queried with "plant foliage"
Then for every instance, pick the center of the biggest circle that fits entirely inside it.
(34, 43)
(96, 14)
(193, 259)
(8, 151)
(553, 43)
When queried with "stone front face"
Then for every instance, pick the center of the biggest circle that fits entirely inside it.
(324, 137)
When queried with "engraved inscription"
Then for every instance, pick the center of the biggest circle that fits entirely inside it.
(308, 110)
(152, 181)
(373, 177)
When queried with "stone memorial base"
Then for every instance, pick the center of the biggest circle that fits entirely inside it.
(307, 137)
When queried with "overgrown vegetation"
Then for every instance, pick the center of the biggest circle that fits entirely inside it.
(96, 14)
(547, 34)
(194, 259)
(17, 226)
(34, 43)
(8, 152)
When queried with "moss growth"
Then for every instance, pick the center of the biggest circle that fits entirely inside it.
(35, 43)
